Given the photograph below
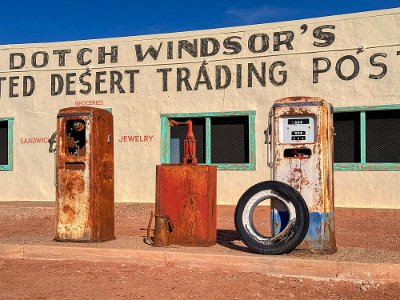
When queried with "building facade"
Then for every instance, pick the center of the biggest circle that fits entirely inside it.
(226, 81)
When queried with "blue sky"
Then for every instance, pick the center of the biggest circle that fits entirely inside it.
(25, 21)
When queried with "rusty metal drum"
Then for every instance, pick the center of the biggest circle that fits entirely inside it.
(187, 195)
(84, 175)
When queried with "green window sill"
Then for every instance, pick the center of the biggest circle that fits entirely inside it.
(367, 166)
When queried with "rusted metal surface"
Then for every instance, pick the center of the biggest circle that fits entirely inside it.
(84, 175)
(308, 167)
(190, 151)
(187, 195)
(162, 231)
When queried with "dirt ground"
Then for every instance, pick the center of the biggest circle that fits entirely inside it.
(43, 279)
(36, 279)
(361, 228)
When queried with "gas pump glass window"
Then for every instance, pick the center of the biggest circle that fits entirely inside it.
(76, 137)
(297, 129)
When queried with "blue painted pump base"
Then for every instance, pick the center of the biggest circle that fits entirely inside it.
(320, 236)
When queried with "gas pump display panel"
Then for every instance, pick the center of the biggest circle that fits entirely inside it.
(298, 129)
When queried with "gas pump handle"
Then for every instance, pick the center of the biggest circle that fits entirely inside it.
(268, 141)
(52, 141)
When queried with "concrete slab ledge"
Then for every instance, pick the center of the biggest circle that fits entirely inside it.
(270, 265)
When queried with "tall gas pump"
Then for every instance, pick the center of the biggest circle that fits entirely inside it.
(300, 154)
(84, 175)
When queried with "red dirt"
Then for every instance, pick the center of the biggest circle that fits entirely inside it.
(361, 228)
(38, 279)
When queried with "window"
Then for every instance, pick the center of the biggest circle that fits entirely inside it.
(226, 139)
(367, 138)
(6, 144)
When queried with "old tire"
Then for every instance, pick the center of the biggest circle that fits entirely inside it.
(290, 236)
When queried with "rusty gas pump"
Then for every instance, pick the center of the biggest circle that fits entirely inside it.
(299, 142)
(84, 174)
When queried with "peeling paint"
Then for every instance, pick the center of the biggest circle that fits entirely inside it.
(84, 176)
(310, 174)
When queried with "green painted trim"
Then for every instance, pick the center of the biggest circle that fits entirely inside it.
(363, 137)
(109, 109)
(10, 125)
(252, 142)
(363, 165)
(365, 108)
(234, 167)
(210, 114)
(367, 167)
(208, 140)
(165, 155)
(166, 137)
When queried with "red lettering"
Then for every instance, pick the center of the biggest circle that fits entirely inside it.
(34, 140)
(89, 103)
(135, 138)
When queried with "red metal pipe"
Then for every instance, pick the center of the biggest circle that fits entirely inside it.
(190, 157)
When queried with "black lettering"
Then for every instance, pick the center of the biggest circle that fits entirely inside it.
(170, 50)
(99, 81)
(69, 80)
(203, 78)
(317, 70)
(260, 78)
(378, 64)
(57, 84)
(182, 76)
(289, 36)
(234, 46)
(327, 37)
(1, 79)
(189, 47)
(304, 28)
(13, 64)
(28, 84)
(205, 49)
(115, 81)
(151, 51)
(61, 56)
(12, 85)
(45, 59)
(356, 67)
(81, 56)
(164, 77)
(113, 54)
(238, 76)
(227, 75)
(282, 73)
(85, 83)
(264, 39)
(131, 79)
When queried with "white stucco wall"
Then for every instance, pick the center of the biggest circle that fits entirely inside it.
(138, 113)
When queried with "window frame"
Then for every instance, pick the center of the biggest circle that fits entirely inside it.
(166, 137)
(10, 125)
(363, 165)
